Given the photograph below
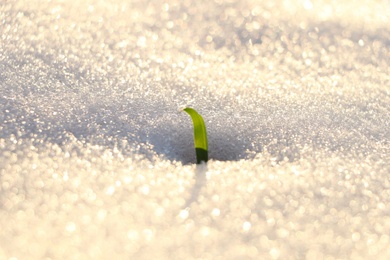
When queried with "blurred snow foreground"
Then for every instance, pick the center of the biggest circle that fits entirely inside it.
(96, 161)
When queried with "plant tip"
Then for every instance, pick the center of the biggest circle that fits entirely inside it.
(200, 135)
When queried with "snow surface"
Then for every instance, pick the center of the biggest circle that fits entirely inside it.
(97, 161)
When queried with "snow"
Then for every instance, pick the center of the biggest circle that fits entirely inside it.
(97, 161)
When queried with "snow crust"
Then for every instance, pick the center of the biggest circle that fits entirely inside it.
(97, 161)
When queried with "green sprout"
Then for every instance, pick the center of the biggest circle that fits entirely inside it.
(200, 136)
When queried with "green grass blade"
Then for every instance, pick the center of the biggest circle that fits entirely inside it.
(200, 135)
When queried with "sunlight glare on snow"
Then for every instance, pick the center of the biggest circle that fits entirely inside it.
(97, 162)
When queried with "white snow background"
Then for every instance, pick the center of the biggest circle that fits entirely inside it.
(97, 161)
